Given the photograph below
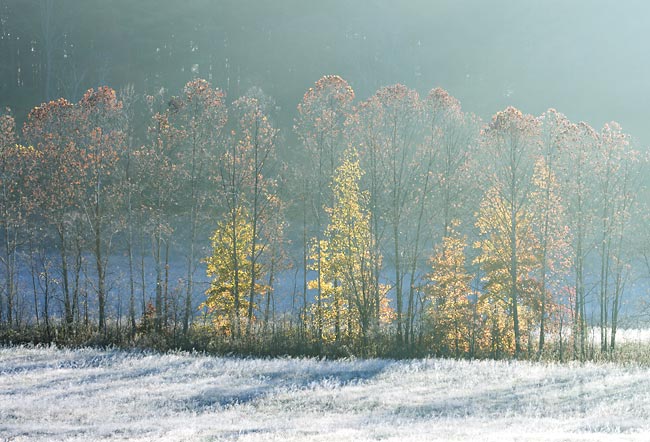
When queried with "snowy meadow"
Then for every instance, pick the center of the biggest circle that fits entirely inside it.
(53, 394)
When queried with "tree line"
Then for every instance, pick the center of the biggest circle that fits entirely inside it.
(405, 224)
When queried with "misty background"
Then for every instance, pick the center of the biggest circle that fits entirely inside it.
(585, 58)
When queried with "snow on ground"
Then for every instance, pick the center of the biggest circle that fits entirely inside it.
(51, 394)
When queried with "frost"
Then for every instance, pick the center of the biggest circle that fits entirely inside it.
(49, 394)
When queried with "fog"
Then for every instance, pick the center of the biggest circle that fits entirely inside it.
(585, 58)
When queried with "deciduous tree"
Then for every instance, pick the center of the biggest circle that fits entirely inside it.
(505, 219)
(449, 292)
(230, 268)
(320, 127)
(199, 115)
(51, 130)
(17, 180)
(393, 118)
(101, 141)
(348, 259)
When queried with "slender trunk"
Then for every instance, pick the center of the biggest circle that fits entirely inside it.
(513, 281)
(143, 287)
(542, 295)
(190, 277)
(603, 288)
(85, 296)
(97, 227)
(579, 323)
(319, 318)
(32, 266)
(46, 300)
(606, 216)
(545, 240)
(130, 254)
(319, 256)
(10, 245)
(269, 293)
(132, 293)
(615, 310)
(190, 259)
(234, 212)
(305, 253)
(64, 273)
(618, 288)
(235, 262)
(396, 191)
(253, 252)
(165, 297)
(418, 229)
(398, 285)
(159, 277)
(101, 288)
(77, 276)
(319, 252)
(578, 342)
(337, 312)
(374, 235)
(579, 338)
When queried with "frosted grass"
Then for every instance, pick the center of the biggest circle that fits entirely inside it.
(49, 394)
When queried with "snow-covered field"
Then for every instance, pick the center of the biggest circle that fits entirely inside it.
(51, 394)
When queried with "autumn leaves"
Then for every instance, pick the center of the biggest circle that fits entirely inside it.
(407, 225)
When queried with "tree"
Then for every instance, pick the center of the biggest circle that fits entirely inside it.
(346, 255)
(199, 116)
(443, 188)
(7, 207)
(101, 142)
(504, 217)
(129, 187)
(449, 291)
(158, 173)
(255, 140)
(49, 128)
(17, 179)
(615, 173)
(551, 230)
(390, 122)
(361, 131)
(230, 268)
(553, 239)
(275, 258)
(320, 127)
(512, 295)
(577, 191)
(451, 139)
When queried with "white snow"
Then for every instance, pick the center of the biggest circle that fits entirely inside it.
(49, 394)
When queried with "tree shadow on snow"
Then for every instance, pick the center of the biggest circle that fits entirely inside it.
(334, 375)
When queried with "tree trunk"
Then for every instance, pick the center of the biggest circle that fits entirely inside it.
(64, 273)
(165, 297)
(159, 278)
(101, 276)
(513, 281)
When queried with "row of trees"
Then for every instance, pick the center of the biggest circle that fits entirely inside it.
(404, 223)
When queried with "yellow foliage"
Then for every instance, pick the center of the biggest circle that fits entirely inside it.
(449, 292)
(230, 267)
(349, 294)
